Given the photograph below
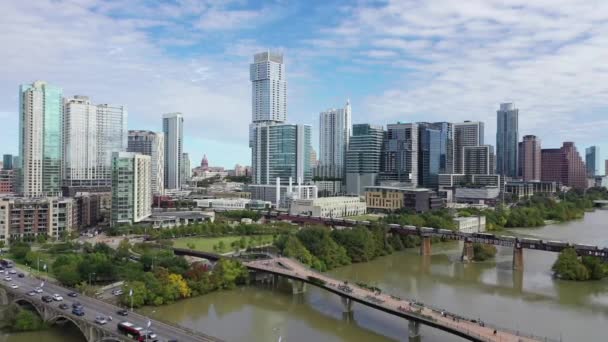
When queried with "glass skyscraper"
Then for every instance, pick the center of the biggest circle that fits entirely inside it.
(363, 157)
(173, 128)
(40, 139)
(592, 160)
(335, 129)
(400, 154)
(430, 156)
(507, 139)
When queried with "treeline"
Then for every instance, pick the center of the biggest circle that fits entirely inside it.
(433, 219)
(324, 249)
(569, 266)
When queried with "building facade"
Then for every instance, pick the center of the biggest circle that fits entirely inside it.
(186, 170)
(436, 152)
(328, 207)
(564, 165)
(530, 158)
(592, 160)
(8, 162)
(335, 129)
(131, 188)
(173, 129)
(388, 198)
(269, 88)
(281, 196)
(468, 133)
(399, 162)
(40, 139)
(507, 138)
(151, 144)
(7, 182)
(363, 158)
(479, 160)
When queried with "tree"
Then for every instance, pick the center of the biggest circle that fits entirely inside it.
(293, 248)
(569, 267)
(482, 252)
(178, 282)
(26, 320)
(228, 273)
(140, 292)
(19, 250)
(358, 242)
(319, 242)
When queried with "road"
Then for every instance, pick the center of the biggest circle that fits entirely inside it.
(94, 308)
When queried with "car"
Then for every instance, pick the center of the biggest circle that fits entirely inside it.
(73, 294)
(12, 272)
(2, 271)
(31, 293)
(101, 320)
(57, 297)
(64, 306)
(117, 292)
(7, 278)
(47, 299)
(14, 286)
(21, 275)
(78, 311)
(76, 305)
(122, 312)
(149, 335)
(38, 290)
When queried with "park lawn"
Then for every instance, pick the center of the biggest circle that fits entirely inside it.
(206, 244)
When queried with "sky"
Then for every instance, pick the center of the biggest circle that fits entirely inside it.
(407, 60)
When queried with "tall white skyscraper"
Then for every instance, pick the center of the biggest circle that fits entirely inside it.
(40, 139)
(151, 144)
(91, 134)
(173, 127)
(269, 88)
(335, 129)
(468, 133)
(131, 191)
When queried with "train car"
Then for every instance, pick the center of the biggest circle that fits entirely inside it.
(410, 228)
(394, 225)
(556, 243)
(365, 223)
(530, 240)
(427, 230)
(445, 231)
(484, 235)
(349, 221)
(508, 238)
(585, 247)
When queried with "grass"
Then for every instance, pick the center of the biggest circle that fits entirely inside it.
(206, 244)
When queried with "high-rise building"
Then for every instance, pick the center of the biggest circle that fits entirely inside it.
(399, 162)
(479, 160)
(40, 139)
(363, 158)
(436, 151)
(131, 190)
(530, 158)
(507, 138)
(173, 128)
(281, 150)
(564, 165)
(592, 160)
(335, 129)
(466, 133)
(314, 161)
(8, 162)
(269, 88)
(151, 144)
(91, 134)
(186, 170)
(606, 167)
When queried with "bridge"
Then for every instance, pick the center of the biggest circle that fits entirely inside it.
(51, 313)
(426, 234)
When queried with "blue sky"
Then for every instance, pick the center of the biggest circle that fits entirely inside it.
(405, 60)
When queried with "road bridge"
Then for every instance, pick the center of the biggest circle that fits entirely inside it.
(51, 313)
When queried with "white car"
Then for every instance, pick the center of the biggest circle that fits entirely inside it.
(14, 286)
(38, 290)
(12, 272)
(8, 278)
(117, 292)
(57, 297)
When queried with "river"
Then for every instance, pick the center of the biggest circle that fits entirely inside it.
(529, 300)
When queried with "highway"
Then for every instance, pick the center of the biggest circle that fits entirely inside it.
(93, 308)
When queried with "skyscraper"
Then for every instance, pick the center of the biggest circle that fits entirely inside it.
(151, 144)
(479, 160)
(335, 129)
(269, 88)
(592, 160)
(399, 161)
(186, 170)
(564, 165)
(467, 133)
(40, 139)
(507, 138)
(530, 158)
(436, 151)
(281, 150)
(173, 128)
(131, 191)
(8, 162)
(91, 134)
(363, 158)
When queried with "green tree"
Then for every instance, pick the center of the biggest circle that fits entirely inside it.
(359, 243)
(293, 248)
(319, 242)
(19, 250)
(26, 320)
(569, 267)
(482, 252)
(228, 273)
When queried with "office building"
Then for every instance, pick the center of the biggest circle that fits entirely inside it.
(8, 162)
(389, 198)
(399, 162)
(186, 170)
(363, 158)
(479, 160)
(151, 144)
(592, 160)
(328, 207)
(269, 88)
(466, 133)
(26, 218)
(530, 158)
(436, 152)
(564, 165)
(173, 129)
(281, 195)
(131, 190)
(281, 150)
(91, 134)
(7, 182)
(507, 138)
(335, 129)
(40, 139)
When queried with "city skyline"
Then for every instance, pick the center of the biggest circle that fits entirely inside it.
(364, 61)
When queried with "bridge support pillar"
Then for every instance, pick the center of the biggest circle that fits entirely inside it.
(413, 329)
(298, 286)
(347, 303)
(275, 280)
(518, 258)
(468, 253)
(425, 245)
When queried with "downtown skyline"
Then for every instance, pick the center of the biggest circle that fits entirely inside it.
(331, 62)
